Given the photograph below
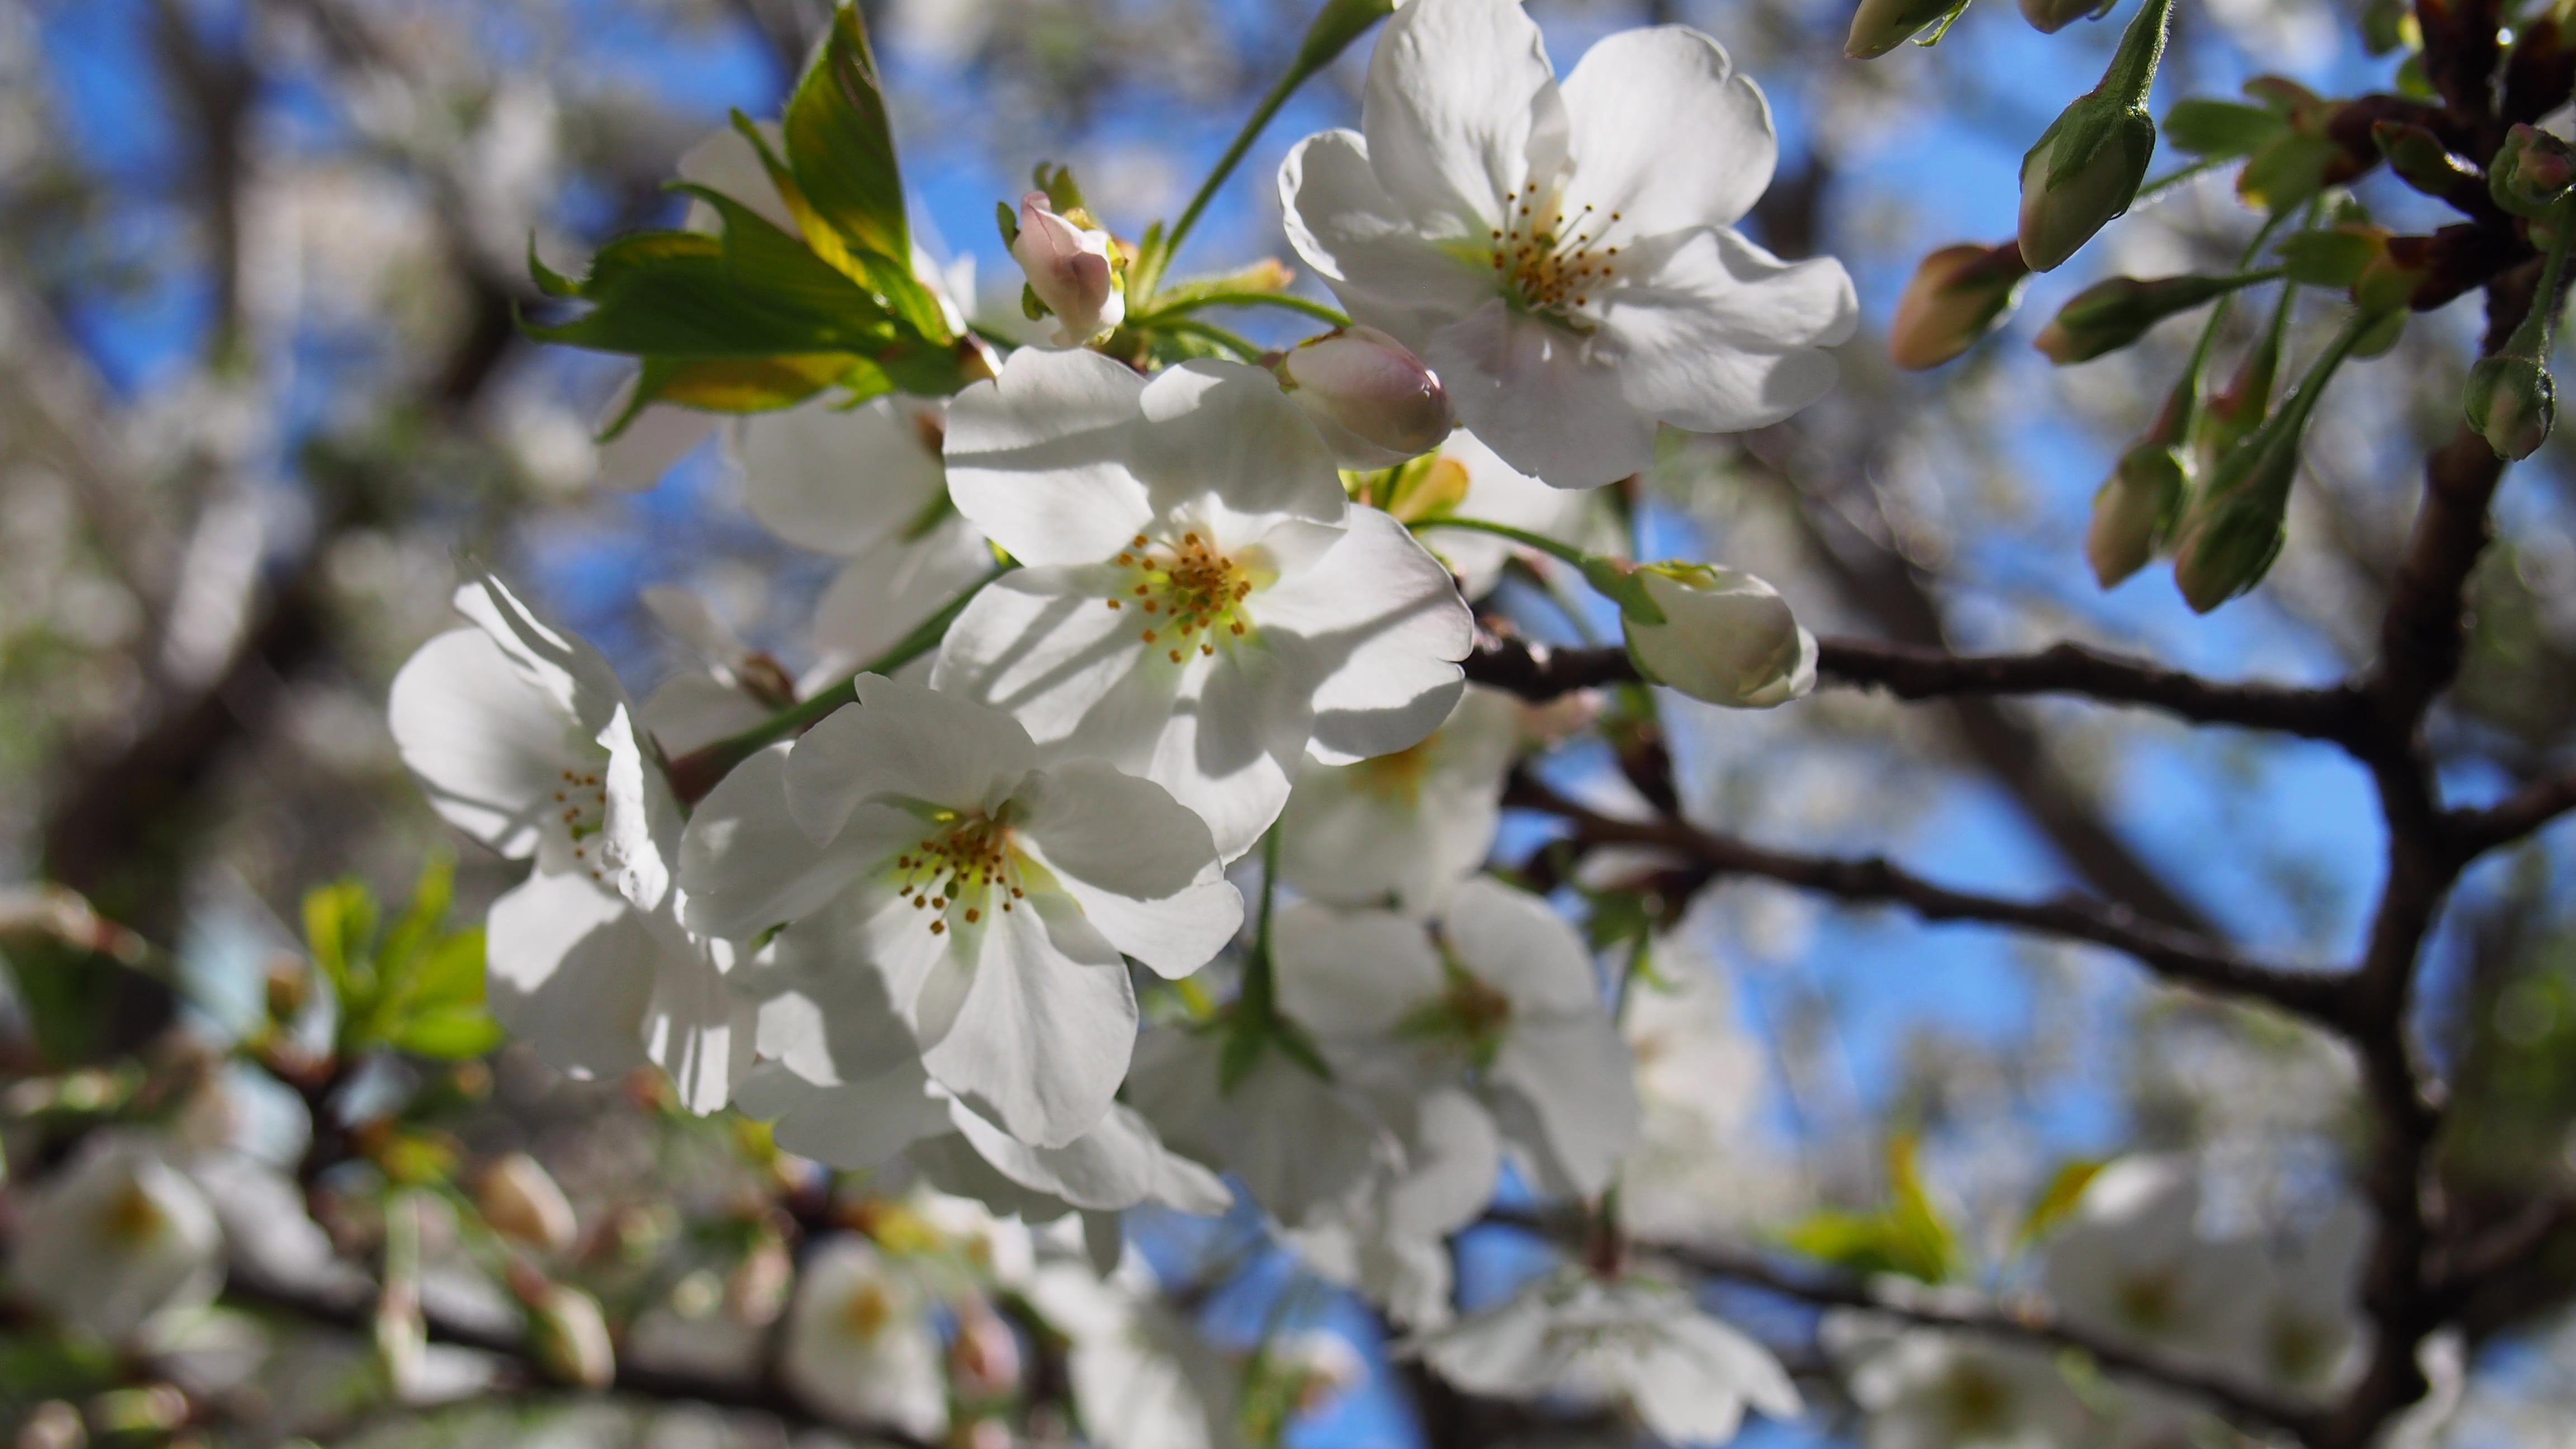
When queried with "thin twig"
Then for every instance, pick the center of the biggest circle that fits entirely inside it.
(2336, 712)
(2179, 957)
(2522, 813)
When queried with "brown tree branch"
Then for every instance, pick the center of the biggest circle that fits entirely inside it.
(2522, 813)
(2023, 1321)
(1909, 672)
(2179, 957)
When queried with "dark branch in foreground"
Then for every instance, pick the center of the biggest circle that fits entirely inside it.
(2527, 810)
(2179, 957)
(1535, 671)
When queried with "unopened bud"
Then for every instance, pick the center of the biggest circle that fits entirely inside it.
(1374, 401)
(2421, 160)
(2234, 530)
(521, 1202)
(2051, 16)
(2084, 171)
(984, 1358)
(2109, 315)
(2532, 171)
(53, 1425)
(1959, 294)
(2512, 403)
(568, 1335)
(1072, 270)
(1880, 26)
(2132, 511)
(1727, 638)
(289, 986)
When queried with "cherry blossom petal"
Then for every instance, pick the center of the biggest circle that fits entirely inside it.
(1348, 229)
(1352, 973)
(1040, 1036)
(1385, 624)
(1142, 867)
(904, 743)
(1666, 134)
(1723, 336)
(1038, 457)
(841, 480)
(568, 964)
(745, 864)
(1225, 429)
(1549, 402)
(1461, 107)
(488, 746)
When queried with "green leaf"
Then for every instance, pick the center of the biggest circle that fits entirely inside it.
(2330, 259)
(2064, 1190)
(2285, 173)
(340, 932)
(450, 973)
(1905, 1235)
(419, 928)
(2206, 127)
(841, 147)
(451, 1034)
(741, 384)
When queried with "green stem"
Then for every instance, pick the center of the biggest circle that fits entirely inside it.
(1522, 536)
(1334, 27)
(2540, 324)
(2133, 71)
(1242, 347)
(694, 774)
(2178, 176)
(1316, 310)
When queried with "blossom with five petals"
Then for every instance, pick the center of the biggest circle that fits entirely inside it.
(994, 895)
(1564, 255)
(522, 738)
(1201, 605)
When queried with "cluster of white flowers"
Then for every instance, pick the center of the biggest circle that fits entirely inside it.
(2132, 1264)
(1169, 627)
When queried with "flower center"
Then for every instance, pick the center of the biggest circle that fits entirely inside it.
(134, 1219)
(1397, 778)
(958, 869)
(867, 1311)
(1191, 594)
(1545, 260)
(581, 806)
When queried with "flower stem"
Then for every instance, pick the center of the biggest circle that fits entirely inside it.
(2179, 175)
(1335, 26)
(694, 774)
(1316, 310)
(1241, 346)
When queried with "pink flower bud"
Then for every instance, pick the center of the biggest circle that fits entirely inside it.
(1371, 398)
(1070, 269)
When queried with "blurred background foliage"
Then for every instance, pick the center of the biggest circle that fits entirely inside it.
(260, 388)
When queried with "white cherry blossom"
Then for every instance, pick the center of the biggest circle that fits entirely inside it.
(1403, 828)
(1563, 255)
(1306, 1149)
(2131, 1259)
(1392, 1240)
(844, 1085)
(115, 1239)
(523, 739)
(1507, 1001)
(1922, 1389)
(1201, 605)
(860, 1347)
(994, 896)
(1570, 1333)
